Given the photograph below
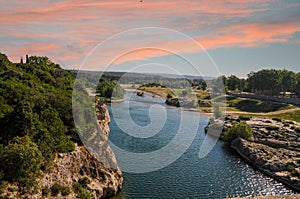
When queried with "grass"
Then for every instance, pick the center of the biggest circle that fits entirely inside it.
(163, 92)
(294, 116)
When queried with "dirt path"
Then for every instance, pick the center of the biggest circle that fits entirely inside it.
(264, 114)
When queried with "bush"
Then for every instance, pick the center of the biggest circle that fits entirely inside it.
(272, 128)
(55, 189)
(65, 191)
(84, 194)
(238, 130)
(80, 188)
(169, 96)
(46, 191)
(84, 181)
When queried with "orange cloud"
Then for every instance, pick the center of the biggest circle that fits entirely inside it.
(68, 30)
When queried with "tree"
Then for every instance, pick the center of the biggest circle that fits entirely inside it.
(238, 130)
(21, 161)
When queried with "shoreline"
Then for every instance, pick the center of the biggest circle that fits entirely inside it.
(264, 171)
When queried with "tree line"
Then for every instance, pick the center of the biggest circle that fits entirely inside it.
(269, 82)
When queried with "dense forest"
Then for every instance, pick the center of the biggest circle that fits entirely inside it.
(35, 118)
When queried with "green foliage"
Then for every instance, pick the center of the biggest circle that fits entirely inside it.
(84, 194)
(109, 89)
(272, 128)
(46, 191)
(21, 161)
(65, 191)
(272, 82)
(141, 94)
(257, 106)
(80, 188)
(55, 189)
(35, 116)
(169, 96)
(84, 181)
(297, 129)
(238, 130)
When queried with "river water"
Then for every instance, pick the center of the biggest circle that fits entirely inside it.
(220, 174)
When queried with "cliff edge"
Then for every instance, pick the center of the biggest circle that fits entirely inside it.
(79, 174)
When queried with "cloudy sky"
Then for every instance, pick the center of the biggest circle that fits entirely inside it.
(239, 35)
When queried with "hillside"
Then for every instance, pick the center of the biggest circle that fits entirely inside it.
(37, 128)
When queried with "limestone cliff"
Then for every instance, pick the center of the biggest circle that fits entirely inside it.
(103, 178)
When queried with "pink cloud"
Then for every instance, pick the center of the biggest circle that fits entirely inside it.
(71, 28)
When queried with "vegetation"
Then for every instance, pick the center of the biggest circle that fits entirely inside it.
(80, 188)
(238, 130)
(267, 82)
(109, 89)
(295, 116)
(20, 161)
(46, 191)
(35, 117)
(141, 94)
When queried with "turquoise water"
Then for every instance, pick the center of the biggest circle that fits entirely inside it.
(221, 174)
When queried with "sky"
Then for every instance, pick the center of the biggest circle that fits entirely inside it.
(172, 36)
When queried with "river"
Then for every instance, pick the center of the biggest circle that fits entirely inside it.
(220, 174)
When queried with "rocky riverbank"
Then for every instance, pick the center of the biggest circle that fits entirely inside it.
(274, 148)
(98, 177)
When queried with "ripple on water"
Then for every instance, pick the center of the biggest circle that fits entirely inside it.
(219, 175)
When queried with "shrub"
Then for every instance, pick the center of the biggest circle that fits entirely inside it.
(244, 117)
(84, 181)
(272, 128)
(169, 96)
(80, 189)
(84, 194)
(55, 189)
(46, 191)
(65, 191)
(241, 130)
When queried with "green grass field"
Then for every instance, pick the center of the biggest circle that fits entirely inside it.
(295, 116)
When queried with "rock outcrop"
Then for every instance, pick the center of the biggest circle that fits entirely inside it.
(275, 149)
(103, 178)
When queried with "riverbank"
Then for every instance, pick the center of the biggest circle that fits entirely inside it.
(296, 196)
(274, 150)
